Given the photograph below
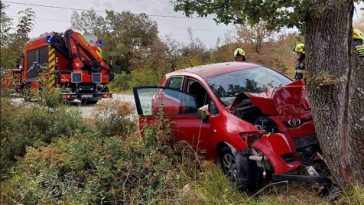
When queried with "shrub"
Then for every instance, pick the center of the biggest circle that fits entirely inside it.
(90, 170)
(113, 117)
(120, 82)
(52, 98)
(34, 125)
(144, 77)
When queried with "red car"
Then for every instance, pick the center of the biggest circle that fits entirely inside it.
(250, 118)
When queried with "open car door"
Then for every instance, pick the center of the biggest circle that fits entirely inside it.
(177, 106)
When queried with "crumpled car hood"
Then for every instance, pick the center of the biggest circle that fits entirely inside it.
(286, 100)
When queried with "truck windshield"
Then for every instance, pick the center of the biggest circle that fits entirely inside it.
(255, 80)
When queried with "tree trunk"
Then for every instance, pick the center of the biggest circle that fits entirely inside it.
(336, 88)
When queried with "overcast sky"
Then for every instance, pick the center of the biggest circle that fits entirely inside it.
(55, 19)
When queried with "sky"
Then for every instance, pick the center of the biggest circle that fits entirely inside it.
(59, 20)
(53, 19)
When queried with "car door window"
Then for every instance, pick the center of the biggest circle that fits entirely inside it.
(175, 82)
(161, 100)
(196, 89)
(212, 108)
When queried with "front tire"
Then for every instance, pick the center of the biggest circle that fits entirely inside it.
(242, 172)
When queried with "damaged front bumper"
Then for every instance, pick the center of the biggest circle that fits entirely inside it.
(279, 150)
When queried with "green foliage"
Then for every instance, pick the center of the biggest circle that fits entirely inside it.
(144, 77)
(5, 26)
(81, 167)
(52, 98)
(353, 195)
(87, 22)
(90, 170)
(33, 126)
(26, 23)
(120, 82)
(277, 14)
(12, 44)
(126, 37)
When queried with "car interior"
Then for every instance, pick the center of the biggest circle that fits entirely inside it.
(196, 89)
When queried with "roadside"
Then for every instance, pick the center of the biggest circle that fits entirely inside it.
(87, 110)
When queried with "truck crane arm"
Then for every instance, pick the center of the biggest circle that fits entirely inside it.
(77, 50)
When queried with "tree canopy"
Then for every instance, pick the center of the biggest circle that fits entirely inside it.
(276, 13)
(13, 39)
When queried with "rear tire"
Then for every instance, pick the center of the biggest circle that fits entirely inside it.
(242, 172)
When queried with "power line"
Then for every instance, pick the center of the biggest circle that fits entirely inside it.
(194, 29)
(99, 11)
(47, 19)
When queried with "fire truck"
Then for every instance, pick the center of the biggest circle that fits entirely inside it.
(72, 64)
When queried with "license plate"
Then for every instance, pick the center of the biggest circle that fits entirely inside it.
(86, 96)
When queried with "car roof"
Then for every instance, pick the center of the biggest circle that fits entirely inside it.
(206, 71)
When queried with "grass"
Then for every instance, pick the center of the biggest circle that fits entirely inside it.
(110, 161)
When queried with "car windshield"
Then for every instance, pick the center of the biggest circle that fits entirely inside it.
(255, 80)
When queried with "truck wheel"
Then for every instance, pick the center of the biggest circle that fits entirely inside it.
(244, 173)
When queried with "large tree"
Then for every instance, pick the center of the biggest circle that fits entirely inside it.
(88, 22)
(254, 34)
(127, 37)
(334, 72)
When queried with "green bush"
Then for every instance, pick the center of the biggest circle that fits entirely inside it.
(34, 125)
(90, 170)
(144, 77)
(52, 98)
(120, 83)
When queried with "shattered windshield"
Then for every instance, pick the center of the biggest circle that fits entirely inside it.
(254, 80)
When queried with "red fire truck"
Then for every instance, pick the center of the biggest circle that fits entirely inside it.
(71, 63)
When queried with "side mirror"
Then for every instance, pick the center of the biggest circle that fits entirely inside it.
(202, 114)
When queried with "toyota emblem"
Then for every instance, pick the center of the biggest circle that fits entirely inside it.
(294, 122)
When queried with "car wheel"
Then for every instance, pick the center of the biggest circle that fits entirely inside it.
(241, 171)
(228, 164)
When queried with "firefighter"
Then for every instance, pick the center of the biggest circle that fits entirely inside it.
(300, 66)
(239, 54)
(358, 42)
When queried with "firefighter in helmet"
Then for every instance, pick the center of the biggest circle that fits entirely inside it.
(239, 54)
(358, 42)
(300, 66)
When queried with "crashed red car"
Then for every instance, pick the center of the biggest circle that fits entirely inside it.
(250, 118)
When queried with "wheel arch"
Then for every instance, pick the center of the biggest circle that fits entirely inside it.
(223, 144)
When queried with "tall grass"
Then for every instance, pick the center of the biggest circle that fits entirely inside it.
(104, 160)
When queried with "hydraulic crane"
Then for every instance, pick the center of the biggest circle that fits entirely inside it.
(73, 65)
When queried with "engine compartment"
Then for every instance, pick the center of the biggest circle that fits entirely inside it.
(247, 111)
(244, 108)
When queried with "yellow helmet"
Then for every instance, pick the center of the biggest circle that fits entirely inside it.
(300, 48)
(239, 52)
(357, 34)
